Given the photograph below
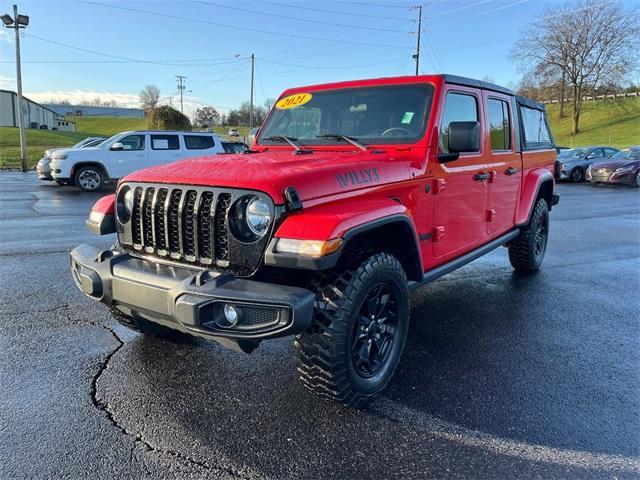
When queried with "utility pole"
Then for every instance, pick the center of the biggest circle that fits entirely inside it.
(181, 87)
(253, 66)
(417, 54)
(18, 22)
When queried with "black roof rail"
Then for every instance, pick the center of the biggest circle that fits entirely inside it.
(470, 82)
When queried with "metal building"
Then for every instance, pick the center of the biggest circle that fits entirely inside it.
(35, 115)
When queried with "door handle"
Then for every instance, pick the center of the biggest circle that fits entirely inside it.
(511, 171)
(481, 177)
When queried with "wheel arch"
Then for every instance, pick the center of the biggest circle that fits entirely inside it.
(89, 163)
(538, 184)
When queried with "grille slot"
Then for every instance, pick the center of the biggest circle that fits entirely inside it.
(222, 238)
(136, 216)
(173, 223)
(147, 219)
(160, 221)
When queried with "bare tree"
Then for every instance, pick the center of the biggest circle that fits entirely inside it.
(580, 46)
(149, 97)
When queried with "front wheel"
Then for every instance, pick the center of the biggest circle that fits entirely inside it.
(577, 175)
(352, 349)
(637, 181)
(527, 251)
(90, 179)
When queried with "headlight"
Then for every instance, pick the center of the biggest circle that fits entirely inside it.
(60, 157)
(258, 216)
(250, 218)
(624, 169)
(124, 204)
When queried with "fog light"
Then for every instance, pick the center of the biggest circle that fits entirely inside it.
(231, 316)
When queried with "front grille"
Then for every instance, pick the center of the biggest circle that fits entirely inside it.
(254, 316)
(181, 224)
(189, 225)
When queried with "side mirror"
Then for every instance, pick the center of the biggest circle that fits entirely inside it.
(117, 146)
(463, 137)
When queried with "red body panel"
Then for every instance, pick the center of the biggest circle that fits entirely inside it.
(105, 205)
(342, 187)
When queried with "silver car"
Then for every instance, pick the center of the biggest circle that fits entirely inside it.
(574, 162)
(42, 167)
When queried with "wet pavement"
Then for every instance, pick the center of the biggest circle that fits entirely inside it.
(503, 376)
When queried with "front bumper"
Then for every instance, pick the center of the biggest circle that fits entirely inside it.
(189, 300)
(610, 177)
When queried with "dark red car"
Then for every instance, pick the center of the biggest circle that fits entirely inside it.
(623, 167)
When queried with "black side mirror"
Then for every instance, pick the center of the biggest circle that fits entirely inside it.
(463, 137)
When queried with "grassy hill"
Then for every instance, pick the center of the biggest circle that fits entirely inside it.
(612, 122)
(107, 126)
(37, 142)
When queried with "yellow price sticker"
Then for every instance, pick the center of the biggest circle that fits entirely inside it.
(293, 101)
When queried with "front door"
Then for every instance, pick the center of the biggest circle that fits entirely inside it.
(460, 186)
(132, 157)
(505, 164)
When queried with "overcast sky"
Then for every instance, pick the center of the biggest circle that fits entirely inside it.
(79, 49)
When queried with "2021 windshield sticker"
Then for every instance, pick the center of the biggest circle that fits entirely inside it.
(293, 101)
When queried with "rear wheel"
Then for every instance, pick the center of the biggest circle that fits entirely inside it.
(90, 178)
(577, 175)
(637, 180)
(527, 251)
(352, 349)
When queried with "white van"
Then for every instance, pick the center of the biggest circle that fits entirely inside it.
(90, 168)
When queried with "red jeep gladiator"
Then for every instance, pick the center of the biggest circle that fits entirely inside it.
(353, 194)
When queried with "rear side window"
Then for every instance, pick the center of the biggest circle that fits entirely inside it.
(133, 142)
(534, 125)
(198, 142)
(499, 124)
(165, 142)
(458, 107)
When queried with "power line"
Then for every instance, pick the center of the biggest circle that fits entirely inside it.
(346, 67)
(371, 4)
(321, 22)
(235, 27)
(463, 7)
(332, 12)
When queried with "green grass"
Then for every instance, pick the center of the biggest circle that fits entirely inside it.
(37, 142)
(107, 126)
(612, 122)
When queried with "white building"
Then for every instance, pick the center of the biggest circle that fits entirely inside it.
(34, 114)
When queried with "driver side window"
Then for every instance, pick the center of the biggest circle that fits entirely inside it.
(133, 142)
(458, 107)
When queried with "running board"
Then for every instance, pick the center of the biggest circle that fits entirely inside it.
(438, 272)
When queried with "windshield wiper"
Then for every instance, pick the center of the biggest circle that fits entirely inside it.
(281, 138)
(352, 140)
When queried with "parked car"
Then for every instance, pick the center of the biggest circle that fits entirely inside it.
(234, 147)
(561, 149)
(623, 167)
(90, 168)
(233, 132)
(574, 163)
(42, 167)
(355, 193)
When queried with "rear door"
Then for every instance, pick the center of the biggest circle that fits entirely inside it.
(199, 145)
(132, 157)
(165, 148)
(505, 163)
(460, 199)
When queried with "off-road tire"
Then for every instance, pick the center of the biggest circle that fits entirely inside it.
(525, 251)
(577, 175)
(89, 178)
(143, 326)
(324, 352)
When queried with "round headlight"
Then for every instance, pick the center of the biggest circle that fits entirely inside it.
(128, 200)
(258, 215)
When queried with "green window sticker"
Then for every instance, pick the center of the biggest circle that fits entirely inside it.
(406, 118)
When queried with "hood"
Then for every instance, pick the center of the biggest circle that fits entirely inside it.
(313, 175)
(613, 164)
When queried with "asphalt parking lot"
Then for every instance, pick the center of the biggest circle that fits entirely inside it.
(503, 376)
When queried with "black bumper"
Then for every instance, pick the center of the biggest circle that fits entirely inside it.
(189, 300)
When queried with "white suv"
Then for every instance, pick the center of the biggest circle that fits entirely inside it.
(90, 168)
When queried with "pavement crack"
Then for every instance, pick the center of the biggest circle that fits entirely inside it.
(138, 437)
(45, 310)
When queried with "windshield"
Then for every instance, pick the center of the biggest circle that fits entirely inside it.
(383, 115)
(628, 153)
(575, 153)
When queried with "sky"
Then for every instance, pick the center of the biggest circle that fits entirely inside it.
(82, 49)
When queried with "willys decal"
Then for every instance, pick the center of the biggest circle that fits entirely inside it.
(358, 177)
